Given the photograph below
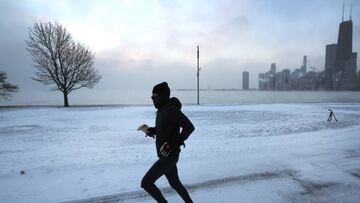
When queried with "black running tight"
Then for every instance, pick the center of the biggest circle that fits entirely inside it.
(167, 167)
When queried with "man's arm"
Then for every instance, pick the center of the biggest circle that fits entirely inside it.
(179, 118)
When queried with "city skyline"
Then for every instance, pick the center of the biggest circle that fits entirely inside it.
(154, 41)
(340, 71)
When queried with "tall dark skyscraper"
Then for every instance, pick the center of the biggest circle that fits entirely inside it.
(245, 80)
(344, 45)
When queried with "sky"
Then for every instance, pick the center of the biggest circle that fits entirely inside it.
(140, 43)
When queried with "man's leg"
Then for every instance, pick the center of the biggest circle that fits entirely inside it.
(174, 181)
(159, 168)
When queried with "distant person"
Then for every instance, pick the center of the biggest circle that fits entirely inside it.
(169, 120)
(331, 115)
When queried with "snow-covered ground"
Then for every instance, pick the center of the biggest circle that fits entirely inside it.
(244, 153)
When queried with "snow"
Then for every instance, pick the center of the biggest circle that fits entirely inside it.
(240, 153)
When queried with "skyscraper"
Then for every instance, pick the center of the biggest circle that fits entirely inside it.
(330, 56)
(303, 67)
(286, 79)
(272, 77)
(330, 64)
(245, 80)
(344, 73)
(273, 68)
(344, 46)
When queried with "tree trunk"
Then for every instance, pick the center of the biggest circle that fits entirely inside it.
(66, 101)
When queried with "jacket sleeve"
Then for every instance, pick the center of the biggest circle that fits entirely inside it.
(180, 119)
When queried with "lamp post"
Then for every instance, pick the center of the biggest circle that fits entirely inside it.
(198, 76)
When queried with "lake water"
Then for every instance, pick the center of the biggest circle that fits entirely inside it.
(239, 97)
(257, 97)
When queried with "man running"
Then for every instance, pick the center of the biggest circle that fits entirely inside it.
(169, 120)
(331, 115)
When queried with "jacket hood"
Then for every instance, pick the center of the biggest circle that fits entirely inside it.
(175, 102)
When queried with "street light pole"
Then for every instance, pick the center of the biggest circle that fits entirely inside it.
(198, 76)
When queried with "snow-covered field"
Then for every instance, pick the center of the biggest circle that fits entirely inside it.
(244, 153)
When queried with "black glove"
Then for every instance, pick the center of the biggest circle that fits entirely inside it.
(166, 149)
(151, 131)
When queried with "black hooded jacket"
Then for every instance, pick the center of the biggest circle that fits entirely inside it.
(169, 120)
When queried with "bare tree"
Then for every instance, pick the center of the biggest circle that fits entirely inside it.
(6, 88)
(59, 61)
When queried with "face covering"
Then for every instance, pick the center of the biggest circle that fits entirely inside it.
(159, 101)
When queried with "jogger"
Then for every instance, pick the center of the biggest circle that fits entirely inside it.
(331, 115)
(169, 138)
